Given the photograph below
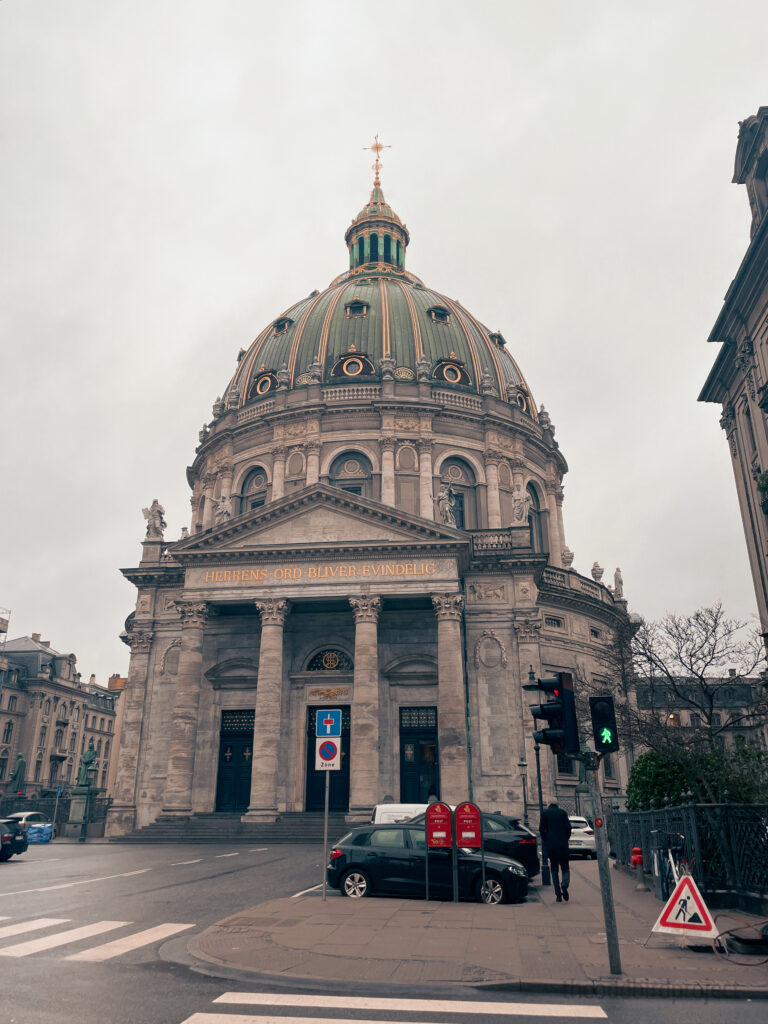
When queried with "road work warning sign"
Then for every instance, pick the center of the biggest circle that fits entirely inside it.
(685, 913)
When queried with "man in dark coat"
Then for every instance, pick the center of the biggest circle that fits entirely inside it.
(555, 829)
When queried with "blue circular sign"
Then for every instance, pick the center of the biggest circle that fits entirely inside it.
(328, 750)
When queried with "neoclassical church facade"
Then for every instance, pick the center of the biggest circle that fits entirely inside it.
(377, 526)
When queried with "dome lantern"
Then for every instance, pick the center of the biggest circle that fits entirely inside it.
(377, 235)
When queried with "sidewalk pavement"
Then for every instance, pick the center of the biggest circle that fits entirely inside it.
(540, 945)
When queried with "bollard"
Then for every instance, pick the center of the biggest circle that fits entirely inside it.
(636, 860)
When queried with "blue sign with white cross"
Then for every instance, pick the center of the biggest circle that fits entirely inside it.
(328, 722)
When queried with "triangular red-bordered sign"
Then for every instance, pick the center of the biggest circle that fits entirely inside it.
(685, 913)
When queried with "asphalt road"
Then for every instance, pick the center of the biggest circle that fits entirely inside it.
(98, 933)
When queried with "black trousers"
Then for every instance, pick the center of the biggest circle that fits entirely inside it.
(560, 864)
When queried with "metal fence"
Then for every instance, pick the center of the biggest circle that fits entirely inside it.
(725, 845)
(47, 805)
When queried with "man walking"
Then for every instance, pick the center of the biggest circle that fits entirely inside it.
(555, 829)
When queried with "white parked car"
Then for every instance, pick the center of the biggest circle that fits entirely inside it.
(26, 818)
(582, 841)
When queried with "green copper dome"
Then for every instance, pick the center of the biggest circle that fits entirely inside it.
(378, 321)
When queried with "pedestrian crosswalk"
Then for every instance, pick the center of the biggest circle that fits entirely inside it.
(57, 938)
(270, 1005)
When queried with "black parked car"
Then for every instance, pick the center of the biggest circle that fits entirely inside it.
(13, 839)
(508, 836)
(389, 860)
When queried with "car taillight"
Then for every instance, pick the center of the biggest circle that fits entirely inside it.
(589, 831)
(6, 836)
(527, 842)
(335, 854)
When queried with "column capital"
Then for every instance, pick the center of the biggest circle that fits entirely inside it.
(366, 609)
(193, 613)
(495, 456)
(279, 452)
(388, 442)
(312, 447)
(140, 640)
(424, 444)
(448, 606)
(273, 611)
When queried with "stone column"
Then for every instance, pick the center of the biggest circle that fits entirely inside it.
(426, 496)
(388, 470)
(121, 816)
(560, 525)
(364, 739)
(226, 473)
(312, 449)
(181, 746)
(451, 710)
(492, 460)
(278, 473)
(556, 543)
(269, 705)
(209, 485)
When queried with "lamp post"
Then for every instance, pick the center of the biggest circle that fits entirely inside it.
(522, 765)
(92, 772)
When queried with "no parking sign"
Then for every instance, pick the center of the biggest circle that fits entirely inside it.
(327, 754)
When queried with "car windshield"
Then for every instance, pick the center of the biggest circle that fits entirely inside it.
(579, 823)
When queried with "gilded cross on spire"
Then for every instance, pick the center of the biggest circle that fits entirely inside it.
(377, 148)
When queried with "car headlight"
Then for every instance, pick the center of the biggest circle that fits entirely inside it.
(517, 869)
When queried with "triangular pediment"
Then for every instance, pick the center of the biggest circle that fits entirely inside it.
(318, 518)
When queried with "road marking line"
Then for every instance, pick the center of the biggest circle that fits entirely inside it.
(226, 855)
(259, 849)
(31, 926)
(179, 863)
(130, 874)
(61, 938)
(67, 885)
(402, 1006)
(130, 942)
(522, 1009)
(305, 891)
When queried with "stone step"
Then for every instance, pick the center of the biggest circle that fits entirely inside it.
(293, 827)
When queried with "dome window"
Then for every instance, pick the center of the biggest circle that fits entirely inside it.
(439, 315)
(498, 339)
(353, 364)
(451, 371)
(281, 326)
(356, 308)
(263, 384)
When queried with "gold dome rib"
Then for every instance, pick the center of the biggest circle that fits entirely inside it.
(326, 328)
(293, 355)
(418, 347)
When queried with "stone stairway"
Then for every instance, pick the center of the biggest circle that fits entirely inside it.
(228, 828)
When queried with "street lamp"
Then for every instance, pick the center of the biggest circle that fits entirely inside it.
(92, 773)
(522, 765)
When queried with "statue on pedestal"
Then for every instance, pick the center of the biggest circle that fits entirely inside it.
(86, 761)
(446, 500)
(16, 778)
(155, 516)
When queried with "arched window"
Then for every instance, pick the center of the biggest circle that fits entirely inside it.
(360, 249)
(43, 734)
(58, 738)
(387, 249)
(460, 476)
(330, 659)
(374, 248)
(98, 747)
(534, 519)
(47, 708)
(101, 724)
(7, 732)
(106, 749)
(38, 769)
(254, 492)
(352, 472)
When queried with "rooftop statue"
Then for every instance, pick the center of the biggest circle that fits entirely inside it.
(155, 516)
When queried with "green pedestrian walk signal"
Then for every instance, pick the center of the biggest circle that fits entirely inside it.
(604, 724)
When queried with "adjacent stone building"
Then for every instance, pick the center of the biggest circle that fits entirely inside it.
(49, 715)
(739, 378)
(377, 526)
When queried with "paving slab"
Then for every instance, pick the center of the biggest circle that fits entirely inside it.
(540, 945)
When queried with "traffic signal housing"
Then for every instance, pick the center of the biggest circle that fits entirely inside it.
(562, 729)
(604, 730)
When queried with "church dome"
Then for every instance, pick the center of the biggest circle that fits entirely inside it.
(378, 321)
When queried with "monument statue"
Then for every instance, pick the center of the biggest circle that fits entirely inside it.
(223, 510)
(16, 778)
(86, 761)
(618, 584)
(446, 500)
(155, 516)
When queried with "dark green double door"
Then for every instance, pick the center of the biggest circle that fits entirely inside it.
(233, 786)
(419, 762)
(338, 795)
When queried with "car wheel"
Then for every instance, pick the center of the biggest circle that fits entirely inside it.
(593, 855)
(492, 892)
(5, 855)
(355, 884)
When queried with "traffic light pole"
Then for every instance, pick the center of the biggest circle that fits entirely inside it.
(545, 876)
(591, 763)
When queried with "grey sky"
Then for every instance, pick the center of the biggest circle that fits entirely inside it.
(175, 173)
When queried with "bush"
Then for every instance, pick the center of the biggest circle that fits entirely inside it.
(733, 776)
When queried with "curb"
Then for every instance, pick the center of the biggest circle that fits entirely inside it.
(605, 988)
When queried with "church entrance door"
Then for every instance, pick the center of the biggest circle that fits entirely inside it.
(419, 765)
(338, 795)
(233, 787)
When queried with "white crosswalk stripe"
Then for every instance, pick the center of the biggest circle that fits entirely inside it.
(30, 926)
(560, 1011)
(61, 938)
(126, 945)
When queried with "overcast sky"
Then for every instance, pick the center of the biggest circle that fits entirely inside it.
(175, 173)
